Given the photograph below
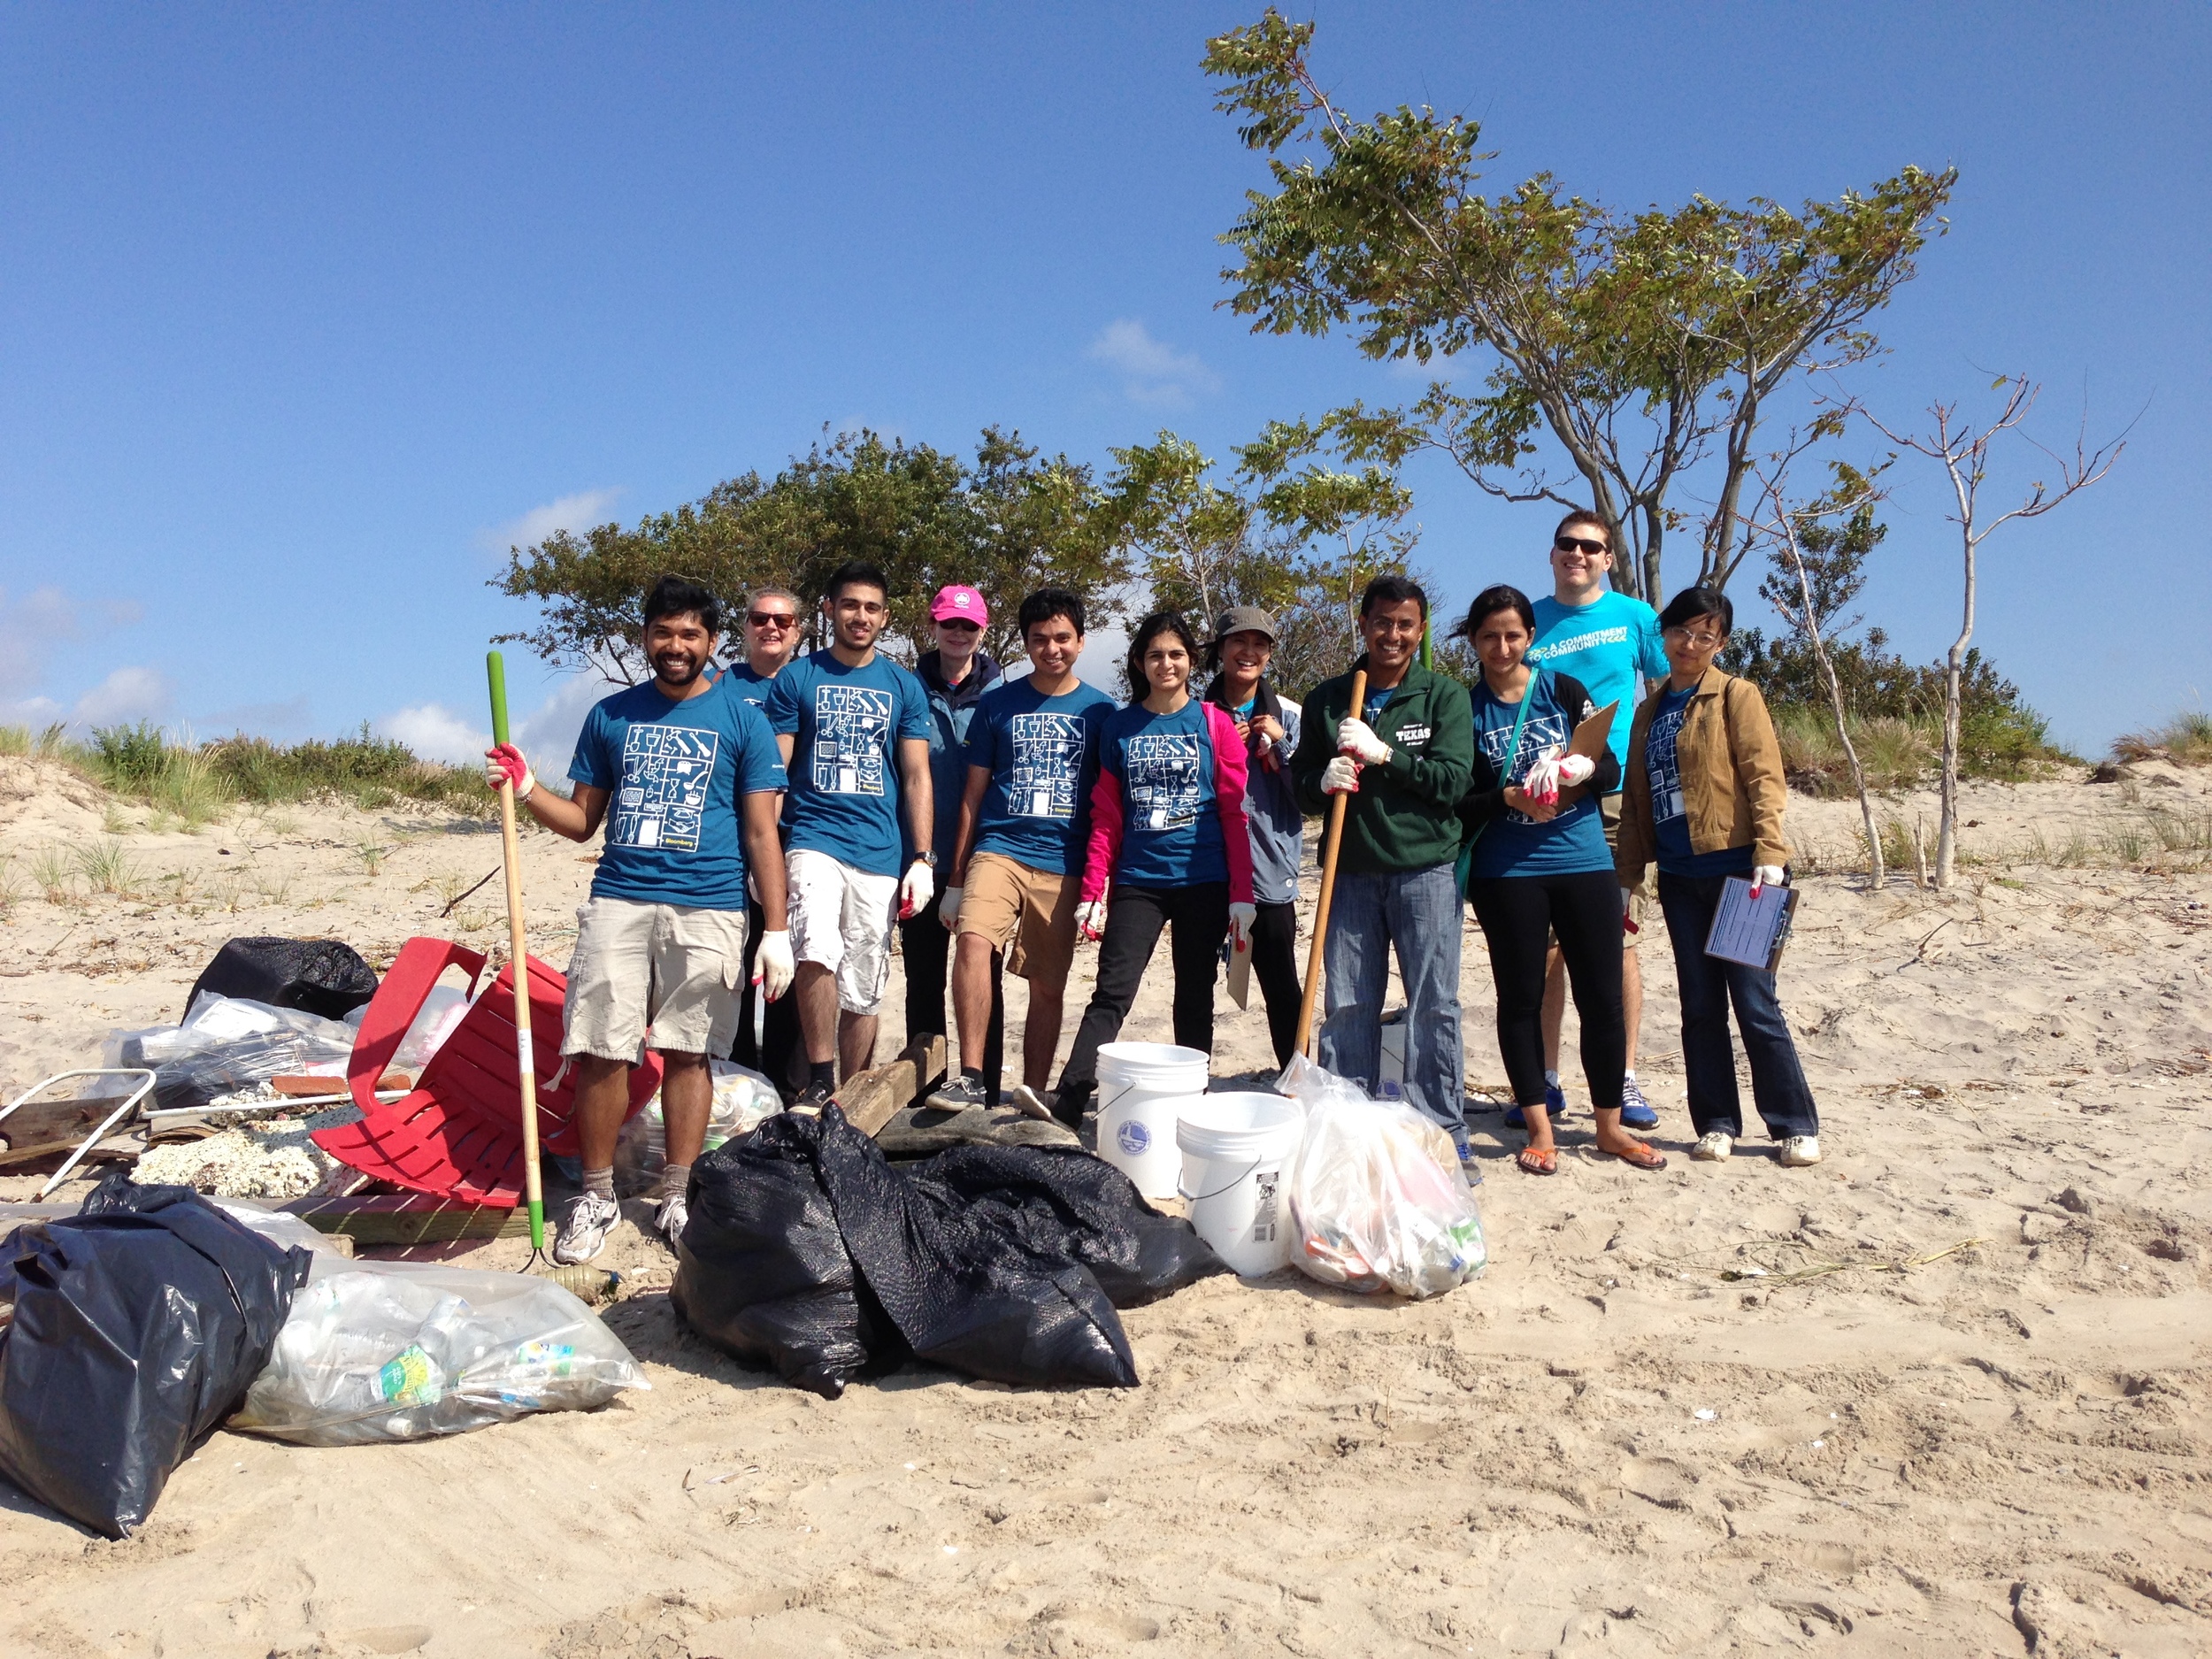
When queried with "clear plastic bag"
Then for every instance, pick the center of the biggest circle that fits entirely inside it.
(401, 1351)
(229, 1043)
(1376, 1194)
(440, 1017)
(743, 1099)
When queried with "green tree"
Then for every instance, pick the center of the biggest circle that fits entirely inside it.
(1011, 523)
(1643, 345)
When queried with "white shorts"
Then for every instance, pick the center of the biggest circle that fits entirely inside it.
(673, 967)
(842, 919)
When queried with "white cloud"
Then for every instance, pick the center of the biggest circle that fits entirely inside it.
(38, 713)
(573, 513)
(1152, 370)
(126, 695)
(29, 629)
(436, 732)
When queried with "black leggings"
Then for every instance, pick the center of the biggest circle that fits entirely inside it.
(1275, 966)
(1200, 916)
(1520, 915)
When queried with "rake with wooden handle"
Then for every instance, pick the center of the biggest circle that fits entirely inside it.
(1331, 842)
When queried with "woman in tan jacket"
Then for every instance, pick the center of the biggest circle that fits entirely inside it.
(1704, 794)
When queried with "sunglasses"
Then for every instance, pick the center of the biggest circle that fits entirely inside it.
(772, 619)
(1569, 543)
(961, 623)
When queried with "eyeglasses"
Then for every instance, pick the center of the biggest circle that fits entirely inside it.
(1571, 543)
(961, 623)
(772, 619)
(1695, 641)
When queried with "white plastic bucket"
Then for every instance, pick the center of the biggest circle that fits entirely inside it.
(1139, 1087)
(1237, 1150)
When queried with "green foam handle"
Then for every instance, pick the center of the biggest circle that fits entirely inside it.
(496, 671)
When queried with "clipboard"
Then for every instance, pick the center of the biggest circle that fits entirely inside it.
(1592, 734)
(1751, 931)
(1240, 973)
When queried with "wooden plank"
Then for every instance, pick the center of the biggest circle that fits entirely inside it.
(46, 1123)
(873, 1098)
(914, 1133)
(408, 1218)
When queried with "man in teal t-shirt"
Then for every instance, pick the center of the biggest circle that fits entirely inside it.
(1605, 639)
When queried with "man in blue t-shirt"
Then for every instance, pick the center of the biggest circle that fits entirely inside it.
(685, 777)
(767, 1039)
(1605, 639)
(854, 728)
(1024, 818)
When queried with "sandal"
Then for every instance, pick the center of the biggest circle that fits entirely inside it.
(1642, 1158)
(1538, 1160)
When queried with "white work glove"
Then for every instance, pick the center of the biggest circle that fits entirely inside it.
(915, 890)
(772, 966)
(1241, 919)
(949, 908)
(504, 763)
(1554, 772)
(1341, 776)
(1768, 876)
(1090, 918)
(1628, 906)
(1357, 738)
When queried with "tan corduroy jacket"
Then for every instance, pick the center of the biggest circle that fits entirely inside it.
(1731, 777)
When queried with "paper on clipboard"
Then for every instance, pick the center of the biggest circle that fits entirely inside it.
(1240, 973)
(1592, 735)
(1751, 930)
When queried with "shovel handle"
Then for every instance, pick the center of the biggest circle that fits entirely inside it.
(1330, 842)
(518, 955)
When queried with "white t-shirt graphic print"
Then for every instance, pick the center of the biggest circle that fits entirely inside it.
(852, 725)
(1049, 754)
(1163, 779)
(665, 772)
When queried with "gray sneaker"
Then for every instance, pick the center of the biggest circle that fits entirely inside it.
(669, 1220)
(585, 1225)
(958, 1094)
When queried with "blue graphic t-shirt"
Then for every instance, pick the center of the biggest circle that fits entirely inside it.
(1170, 831)
(749, 683)
(673, 772)
(846, 725)
(1043, 753)
(1516, 844)
(1670, 819)
(1604, 644)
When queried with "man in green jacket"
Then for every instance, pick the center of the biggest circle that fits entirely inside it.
(1404, 764)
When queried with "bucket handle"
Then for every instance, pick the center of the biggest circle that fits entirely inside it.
(1201, 1197)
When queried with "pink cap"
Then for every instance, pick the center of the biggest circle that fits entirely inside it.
(960, 605)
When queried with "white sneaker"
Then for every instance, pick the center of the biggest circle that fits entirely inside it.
(1026, 1101)
(1800, 1151)
(589, 1218)
(1714, 1147)
(669, 1220)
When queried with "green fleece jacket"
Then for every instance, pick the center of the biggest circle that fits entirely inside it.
(1406, 813)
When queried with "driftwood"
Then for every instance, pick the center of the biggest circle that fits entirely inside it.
(869, 1099)
(917, 1132)
(49, 1126)
(408, 1218)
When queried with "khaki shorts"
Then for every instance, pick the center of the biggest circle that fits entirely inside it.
(1008, 902)
(1609, 815)
(671, 967)
(842, 919)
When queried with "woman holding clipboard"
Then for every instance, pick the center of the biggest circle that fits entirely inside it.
(1704, 795)
(1538, 868)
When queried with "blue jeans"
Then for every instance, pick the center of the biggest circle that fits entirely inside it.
(1707, 986)
(1417, 910)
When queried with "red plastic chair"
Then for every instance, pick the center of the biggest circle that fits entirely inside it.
(460, 1135)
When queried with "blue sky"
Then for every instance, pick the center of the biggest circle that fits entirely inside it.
(306, 312)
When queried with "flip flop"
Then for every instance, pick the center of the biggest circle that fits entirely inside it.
(1538, 1160)
(1645, 1158)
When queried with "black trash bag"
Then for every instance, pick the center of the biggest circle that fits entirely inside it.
(1003, 1263)
(321, 975)
(761, 1270)
(139, 1324)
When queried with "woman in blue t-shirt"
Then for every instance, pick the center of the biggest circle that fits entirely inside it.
(1704, 797)
(1167, 836)
(1539, 869)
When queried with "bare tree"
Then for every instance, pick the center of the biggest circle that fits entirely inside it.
(1964, 452)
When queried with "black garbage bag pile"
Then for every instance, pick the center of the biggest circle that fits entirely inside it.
(806, 1250)
(139, 1324)
(321, 976)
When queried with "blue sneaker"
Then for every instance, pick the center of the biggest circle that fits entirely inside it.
(1636, 1112)
(1554, 1107)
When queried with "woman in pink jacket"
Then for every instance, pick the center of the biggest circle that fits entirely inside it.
(1167, 836)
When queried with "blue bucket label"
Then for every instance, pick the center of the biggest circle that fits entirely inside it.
(1133, 1137)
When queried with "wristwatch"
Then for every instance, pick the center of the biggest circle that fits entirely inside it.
(929, 858)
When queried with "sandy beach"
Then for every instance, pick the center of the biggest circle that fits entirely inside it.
(1951, 1390)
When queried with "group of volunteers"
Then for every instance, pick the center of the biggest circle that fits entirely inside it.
(772, 827)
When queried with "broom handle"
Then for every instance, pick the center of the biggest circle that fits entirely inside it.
(525, 1057)
(1330, 842)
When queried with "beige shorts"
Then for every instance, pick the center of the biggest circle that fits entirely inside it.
(671, 967)
(1008, 902)
(842, 919)
(1609, 815)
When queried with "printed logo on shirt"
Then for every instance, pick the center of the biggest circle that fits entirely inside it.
(1412, 736)
(665, 771)
(852, 730)
(1665, 768)
(1537, 734)
(1047, 765)
(1163, 779)
(1567, 647)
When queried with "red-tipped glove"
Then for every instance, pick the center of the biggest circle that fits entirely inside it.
(504, 764)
